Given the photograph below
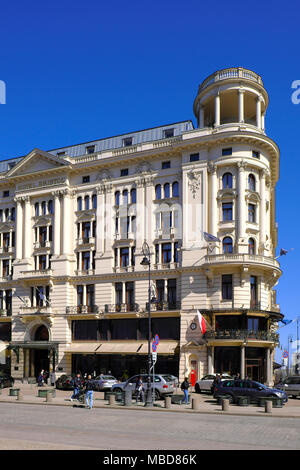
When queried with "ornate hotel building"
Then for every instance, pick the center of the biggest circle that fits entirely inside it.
(73, 221)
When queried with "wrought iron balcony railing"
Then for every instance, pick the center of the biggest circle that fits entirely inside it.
(121, 308)
(164, 305)
(75, 309)
(262, 335)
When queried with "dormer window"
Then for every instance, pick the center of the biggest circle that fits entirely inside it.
(61, 154)
(85, 179)
(127, 141)
(90, 149)
(168, 133)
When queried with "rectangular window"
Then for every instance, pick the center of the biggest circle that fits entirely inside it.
(227, 211)
(251, 213)
(127, 141)
(124, 172)
(90, 149)
(171, 293)
(90, 295)
(253, 292)
(194, 157)
(165, 165)
(85, 179)
(124, 257)
(5, 193)
(168, 133)
(166, 253)
(226, 151)
(227, 286)
(61, 154)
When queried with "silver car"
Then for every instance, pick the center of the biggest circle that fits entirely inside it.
(163, 385)
(290, 385)
(103, 382)
(205, 384)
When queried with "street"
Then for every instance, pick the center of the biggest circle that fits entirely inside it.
(31, 427)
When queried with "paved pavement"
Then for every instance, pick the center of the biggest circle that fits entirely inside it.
(207, 404)
(31, 427)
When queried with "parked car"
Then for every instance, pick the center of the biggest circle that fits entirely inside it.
(104, 382)
(65, 382)
(255, 390)
(172, 378)
(163, 385)
(6, 380)
(290, 385)
(205, 384)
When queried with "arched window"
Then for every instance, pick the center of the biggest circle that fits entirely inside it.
(251, 182)
(125, 197)
(79, 203)
(166, 190)
(227, 180)
(41, 334)
(94, 201)
(50, 206)
(175, 189)
(133, 196)
(158, 191)
(227, 245)
(44, 206)
(13, 213)
(117, 198)
(6, 214)
(251, 246)
(87, 203)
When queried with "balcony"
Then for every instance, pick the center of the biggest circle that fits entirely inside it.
(242, 335)
(86, 241)
(171, 265)
(123, 269)
(121, 308)
(234, 72)
(6, 249)
(164, 306)
(41, 244)
(42, 273)
(81, 309)
(236, 259)
(123, 235)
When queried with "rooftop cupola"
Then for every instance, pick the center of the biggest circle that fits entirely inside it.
(233, 95)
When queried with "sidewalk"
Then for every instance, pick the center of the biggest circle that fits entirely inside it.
(207, 404)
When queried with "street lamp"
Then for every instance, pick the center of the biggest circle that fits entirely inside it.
(146, 261)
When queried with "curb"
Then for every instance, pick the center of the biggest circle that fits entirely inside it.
(133, 408)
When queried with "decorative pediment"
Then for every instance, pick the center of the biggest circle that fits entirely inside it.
(37, 161)
(104, 175)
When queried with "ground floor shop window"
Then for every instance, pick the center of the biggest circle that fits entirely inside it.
(117, 364)
(228, 359)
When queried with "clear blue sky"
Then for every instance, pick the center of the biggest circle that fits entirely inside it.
(78, 71)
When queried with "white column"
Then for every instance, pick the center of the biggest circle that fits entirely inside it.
(56, 248)
(241, 200)
(242, 371)
(258, 112)
(241, 105)
(66, 222)
(263, 122)
(213, 201)
(27, 228)
(217, 109)
(262, 212)
(19, 229)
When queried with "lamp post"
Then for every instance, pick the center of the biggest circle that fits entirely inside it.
(146, 261)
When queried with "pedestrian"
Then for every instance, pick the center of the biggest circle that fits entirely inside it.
(185, 388)
(41, 379)
(139, 389)
(89, 392)
(76, 382)
(53, 378)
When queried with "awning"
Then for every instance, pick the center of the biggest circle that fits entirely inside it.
(120, 347)
(34, 345)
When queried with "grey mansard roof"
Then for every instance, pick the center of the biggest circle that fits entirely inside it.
(109, 143)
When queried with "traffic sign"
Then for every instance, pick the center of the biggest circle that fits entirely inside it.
(156, 339)
(154, 346)
(285, 354)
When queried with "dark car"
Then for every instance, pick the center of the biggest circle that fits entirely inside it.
(65, 382)
(6, 380)
(254, 390)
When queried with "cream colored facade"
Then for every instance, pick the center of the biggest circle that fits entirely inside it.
(221, 177)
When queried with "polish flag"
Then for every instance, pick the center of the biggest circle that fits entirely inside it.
(201, 322)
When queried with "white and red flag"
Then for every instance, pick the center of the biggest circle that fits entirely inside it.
(201, 322)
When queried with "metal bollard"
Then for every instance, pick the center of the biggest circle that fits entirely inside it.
(112, 399)
(268, 406)
(20, 395)
(225, 404)
(168, 402)
(195, 404)
(49, 396)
